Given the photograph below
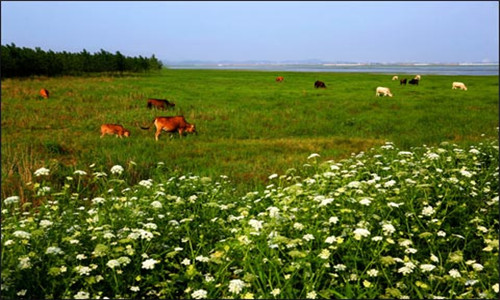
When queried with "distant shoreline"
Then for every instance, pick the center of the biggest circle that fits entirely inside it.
(479, 69)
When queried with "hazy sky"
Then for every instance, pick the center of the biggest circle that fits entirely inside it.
(373, 31)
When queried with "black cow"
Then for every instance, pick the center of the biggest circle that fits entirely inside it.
(319, 84)
(402, 81)
(413, 81)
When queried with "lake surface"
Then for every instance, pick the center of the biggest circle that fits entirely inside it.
(422, 69)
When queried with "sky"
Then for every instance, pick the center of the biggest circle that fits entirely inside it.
(274, 31)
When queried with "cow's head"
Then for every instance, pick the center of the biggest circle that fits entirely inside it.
(191, 128)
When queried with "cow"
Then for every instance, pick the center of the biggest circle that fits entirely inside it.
(395, 77)
(319, 84)
(414, 81)
(114, 129)
(44, 93)
(280, 79)
(458, 85)
(417, 77)
(402, 81)
(159, 103)
(383, 90)
(171, 124)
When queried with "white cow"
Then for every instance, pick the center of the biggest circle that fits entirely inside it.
(417, 77)
(383, 90)
(458, 85)
(395, 78)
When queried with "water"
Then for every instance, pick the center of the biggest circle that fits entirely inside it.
(422, 69)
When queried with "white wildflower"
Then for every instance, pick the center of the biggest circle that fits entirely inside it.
(256, 224)
(477, 267)
(428, 211)
(372, 272)
(361, 232)
(333, 220)
(432, 156)
(22, 234)
(113, 263)
(388, 229)
(146, 183)
(149, 264)
(365, 201)
(202, 258)
(236, 286)
(390, 183)
(273, 212)
(54, 250)
(156, 204)
(313, 155)
(80, 172)
(273, 176)
(325, 254)
(46, 223)
(135, 288)
(275, 292)
(186, 262)
(325, 202)
(199, 294)
(427, 267)
(24, 262)
(42, 172)
(331, 239)
(98, 200)
(11, 200)
(81, 295)
(116, 169)
(308, 237)
(454, 273)
(311, 295)
(298, 226)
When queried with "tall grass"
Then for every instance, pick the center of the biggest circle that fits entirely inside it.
(386, 223)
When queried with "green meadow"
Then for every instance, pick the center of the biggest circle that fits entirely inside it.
(286, 192)
(249, 125)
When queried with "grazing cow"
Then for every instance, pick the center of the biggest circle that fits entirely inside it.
(383, 90)
(171, 124)
(114, 129)
(395, 77)
(159, 103)
(402, 81)
(319, 84)
(413, 81)
(44, 93)
(458, 85)
(279, 79)
(417, 77)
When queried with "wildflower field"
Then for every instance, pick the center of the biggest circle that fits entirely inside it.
(384, 223)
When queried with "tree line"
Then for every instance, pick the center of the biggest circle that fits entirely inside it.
(25, 62)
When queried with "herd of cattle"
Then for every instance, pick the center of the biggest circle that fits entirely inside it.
(180, 125)
(387, 92)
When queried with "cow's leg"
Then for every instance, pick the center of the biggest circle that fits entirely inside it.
(157, 134)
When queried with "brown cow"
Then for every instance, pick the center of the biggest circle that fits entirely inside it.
(159, 103)
(114, 129)
(44, 93)
(279, 79)
(171, 124)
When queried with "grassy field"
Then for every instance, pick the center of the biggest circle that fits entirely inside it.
(287, 192)
(249, 125)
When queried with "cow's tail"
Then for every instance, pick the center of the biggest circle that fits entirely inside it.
(149, 105)
(147, 128)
